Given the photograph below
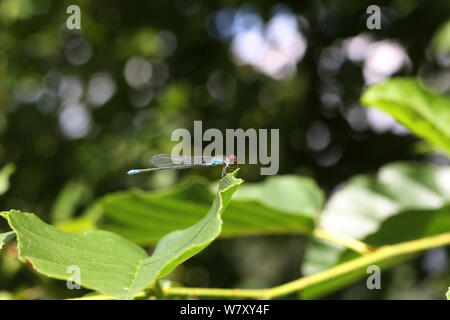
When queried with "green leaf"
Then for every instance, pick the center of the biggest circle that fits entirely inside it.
(280, 204)
(288, 193)
(448, 294)
(109, 263)
(412, 103)
(5, 173)
(77, 225)
(5, 237)
(405, 201)
(70, 196)
(441, 39)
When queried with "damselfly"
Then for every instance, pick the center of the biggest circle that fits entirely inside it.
(167, 161)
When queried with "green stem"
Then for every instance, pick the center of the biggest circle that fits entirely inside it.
(381, 254)
(355, 245)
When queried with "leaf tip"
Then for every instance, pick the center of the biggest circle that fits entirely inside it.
(4, 214)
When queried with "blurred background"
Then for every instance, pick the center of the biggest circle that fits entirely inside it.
(78, 108)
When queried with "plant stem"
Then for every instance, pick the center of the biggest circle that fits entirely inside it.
(355, 245)
(379, 255)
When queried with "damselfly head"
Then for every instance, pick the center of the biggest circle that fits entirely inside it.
(231, 159)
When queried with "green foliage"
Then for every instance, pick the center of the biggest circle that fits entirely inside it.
(108, 262)
(412, 103)
(73, 150)
(68, 199)
(372, 209)
(5, 173)
(279, 205)
(440, 43)
(297, 195)
(5, 237)
(404, 201)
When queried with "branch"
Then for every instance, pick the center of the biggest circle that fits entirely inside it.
(355, 245)
(381, 254)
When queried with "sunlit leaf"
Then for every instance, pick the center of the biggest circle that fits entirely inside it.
(280, 204)
(404, 201)
(413, 104)
(109, 263)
